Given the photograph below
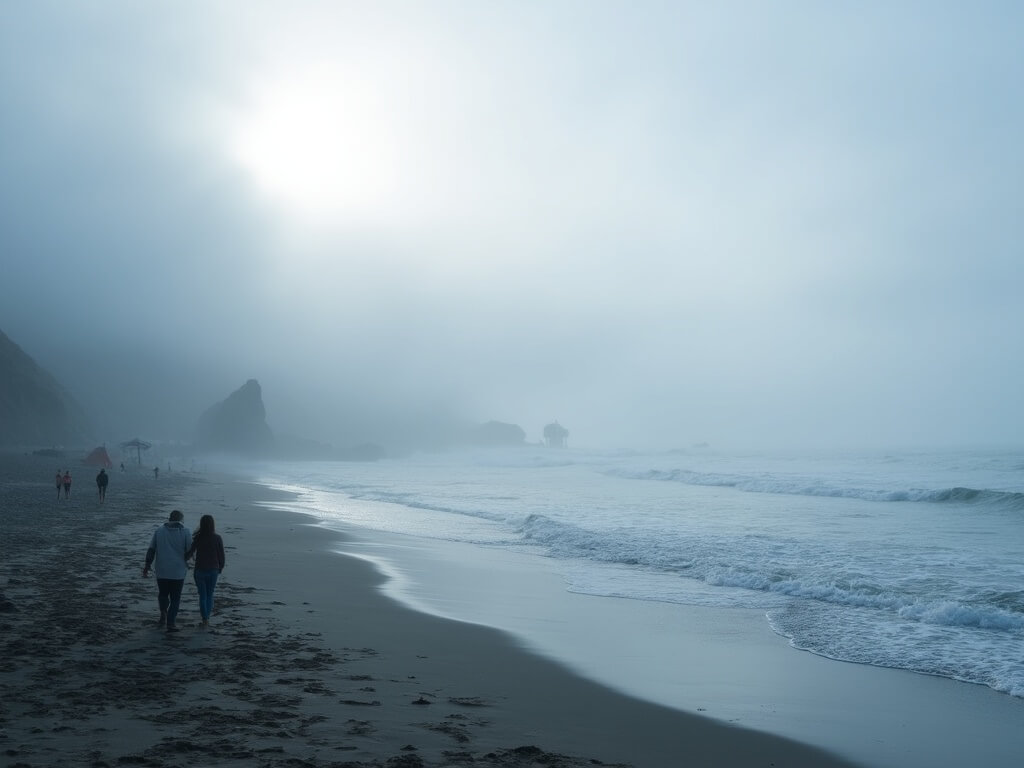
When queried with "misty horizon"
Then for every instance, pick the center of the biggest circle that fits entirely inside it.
(660, 225)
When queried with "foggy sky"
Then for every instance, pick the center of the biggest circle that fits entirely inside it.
(659, 223)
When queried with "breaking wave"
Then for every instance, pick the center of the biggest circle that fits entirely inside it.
(804, 487)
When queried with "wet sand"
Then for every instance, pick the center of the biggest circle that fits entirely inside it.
(721, 663)
(306, 661)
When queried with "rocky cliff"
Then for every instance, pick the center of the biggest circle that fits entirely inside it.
(237, 424)
(35, 410)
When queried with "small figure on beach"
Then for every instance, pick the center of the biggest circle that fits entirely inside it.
(66, 481)
(208, 548)
(101, 483)
(168, 546)
(156, 472)
(60, 483)
(122, 466)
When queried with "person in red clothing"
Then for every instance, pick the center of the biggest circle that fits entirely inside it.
(67, 484)
(208, 548)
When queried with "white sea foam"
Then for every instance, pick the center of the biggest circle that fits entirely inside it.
(906, 561)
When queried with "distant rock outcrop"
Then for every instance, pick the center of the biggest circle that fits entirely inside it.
(237, 424)
(497, 433)
(555, 435)
(35, 410)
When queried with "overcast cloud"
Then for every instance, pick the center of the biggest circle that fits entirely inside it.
(660, 223)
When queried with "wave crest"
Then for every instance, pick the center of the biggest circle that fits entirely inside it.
(801, 487)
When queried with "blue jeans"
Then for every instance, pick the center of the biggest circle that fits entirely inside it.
(206, 580)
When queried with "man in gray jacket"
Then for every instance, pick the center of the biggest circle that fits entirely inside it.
(169, 544)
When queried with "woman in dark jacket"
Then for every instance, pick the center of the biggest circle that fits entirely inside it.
(208, 549)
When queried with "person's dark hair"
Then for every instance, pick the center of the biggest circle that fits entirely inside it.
(206, 527)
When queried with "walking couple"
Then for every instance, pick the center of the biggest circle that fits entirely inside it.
(172, 546)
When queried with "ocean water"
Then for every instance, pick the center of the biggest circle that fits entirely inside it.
(911, 560)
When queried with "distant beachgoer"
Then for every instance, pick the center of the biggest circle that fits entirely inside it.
(66, 481)
(122, 466)
(208, 547)
(156, 471)
(101, 483)
(60, 483)
(168, 546)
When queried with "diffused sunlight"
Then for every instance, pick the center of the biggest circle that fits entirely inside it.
(320, 144)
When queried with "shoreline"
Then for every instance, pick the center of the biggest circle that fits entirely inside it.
(721, 663)
(307, 661)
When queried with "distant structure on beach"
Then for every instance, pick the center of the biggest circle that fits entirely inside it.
(99, 457)
(139, 446)
(555, 435)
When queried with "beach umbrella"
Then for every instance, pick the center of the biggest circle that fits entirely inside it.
(139, 446)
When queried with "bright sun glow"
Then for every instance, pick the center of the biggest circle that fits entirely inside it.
(320, 145)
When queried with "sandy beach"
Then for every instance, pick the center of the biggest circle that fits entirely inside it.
(306, 662)
(721, 663)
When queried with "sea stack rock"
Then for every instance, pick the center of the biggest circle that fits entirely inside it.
(35, 410)
(237, 424)
(555, 435)
(497, 433)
